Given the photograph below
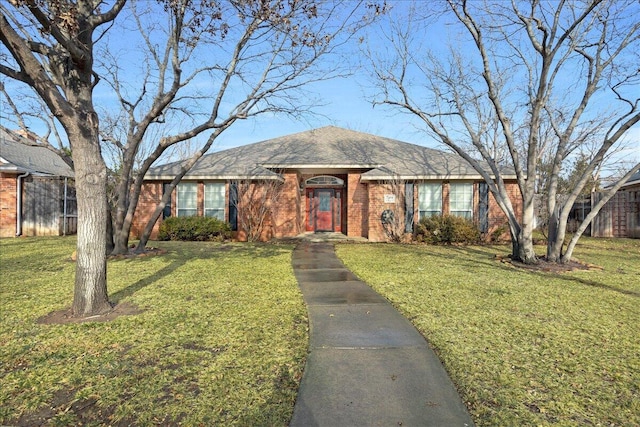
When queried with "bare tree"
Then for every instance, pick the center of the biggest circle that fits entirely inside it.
(49, 47)
(244, 59)
(254, 56)
(256, 201)
(521, 80)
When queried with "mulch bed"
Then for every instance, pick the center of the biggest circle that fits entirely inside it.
(549, 267)
(65, 316)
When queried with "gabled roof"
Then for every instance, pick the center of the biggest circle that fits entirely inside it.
(19, 155)
(322, 149)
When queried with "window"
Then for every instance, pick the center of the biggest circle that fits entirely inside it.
(461, 200)
(214, 200)
(429, 199)
(186, 202)
(324, 181)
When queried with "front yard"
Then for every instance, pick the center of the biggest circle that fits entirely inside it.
(524, 348)
(221, 339)
(222, 335)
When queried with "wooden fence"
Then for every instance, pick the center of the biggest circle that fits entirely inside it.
(619, 217)
(49, 206)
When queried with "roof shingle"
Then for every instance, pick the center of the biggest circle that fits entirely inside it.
(19, 155)
(327, 148)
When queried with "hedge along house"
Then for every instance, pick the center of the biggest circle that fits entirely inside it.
(37, 193)
(327, 179)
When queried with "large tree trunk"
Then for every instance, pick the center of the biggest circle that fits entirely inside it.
(109, 235)
(90, 291)
(555, 236)
(122, 224)
(523, 250)
(522, 247)
(121, 240)
(556, 245)
(148, 229)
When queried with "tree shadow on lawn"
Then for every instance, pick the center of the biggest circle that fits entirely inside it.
(542, 270)
(192, 250)
(212, 250)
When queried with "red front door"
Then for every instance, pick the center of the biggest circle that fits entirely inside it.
(324, 210)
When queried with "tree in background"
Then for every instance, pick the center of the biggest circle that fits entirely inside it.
(216, 65)
(519, 81)
(204, 65)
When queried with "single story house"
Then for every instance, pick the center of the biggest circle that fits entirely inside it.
(620, 216)
(37, 193)
(326, 179)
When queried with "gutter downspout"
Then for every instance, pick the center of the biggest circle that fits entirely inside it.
(64, 209)
(19, 204)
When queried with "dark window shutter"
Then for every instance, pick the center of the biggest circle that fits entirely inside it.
(233, 206)
(483, 207)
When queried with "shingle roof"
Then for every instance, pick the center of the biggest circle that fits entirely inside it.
(633, 180)
(326, 148)
(19, 155)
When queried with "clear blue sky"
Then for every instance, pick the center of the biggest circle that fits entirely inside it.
(346, 105)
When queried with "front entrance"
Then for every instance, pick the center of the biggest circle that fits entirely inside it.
(324, 209)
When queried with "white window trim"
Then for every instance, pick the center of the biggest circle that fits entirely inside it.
(224, 200)
(178, 207)
(421, 187)
(323, 181)
(457, 212)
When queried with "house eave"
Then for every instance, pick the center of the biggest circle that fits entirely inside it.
(446, 177)
(13, 169)
(630, 184)
(8, 168)
(215, 178)
(319, 166)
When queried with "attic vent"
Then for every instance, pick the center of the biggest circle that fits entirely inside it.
(324, 181)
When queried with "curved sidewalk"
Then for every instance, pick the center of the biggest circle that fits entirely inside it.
(367, 366)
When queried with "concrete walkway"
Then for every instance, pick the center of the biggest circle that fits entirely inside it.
(368, 366)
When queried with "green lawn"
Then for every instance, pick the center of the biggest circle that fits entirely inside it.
(222, 338)
(524, 348)
(223, 335)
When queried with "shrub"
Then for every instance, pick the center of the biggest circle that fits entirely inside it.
(497, 235)
(447, 229)
(194, 228)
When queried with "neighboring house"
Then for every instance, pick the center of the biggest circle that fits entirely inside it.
(327, 179)
(620, 216)
(37, 193)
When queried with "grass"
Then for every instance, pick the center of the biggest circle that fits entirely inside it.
(221, 341)
(523, 347)
(223, 335)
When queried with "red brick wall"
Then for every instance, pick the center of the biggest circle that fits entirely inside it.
(357, 207)
(377, 205)
(497, 218)
(445, 198)
(286, 212)
(8, 204)
(150, 196)
(364, 206)
(200, 200)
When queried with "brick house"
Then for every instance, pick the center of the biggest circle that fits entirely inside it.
(327, 179)
(37, 195)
